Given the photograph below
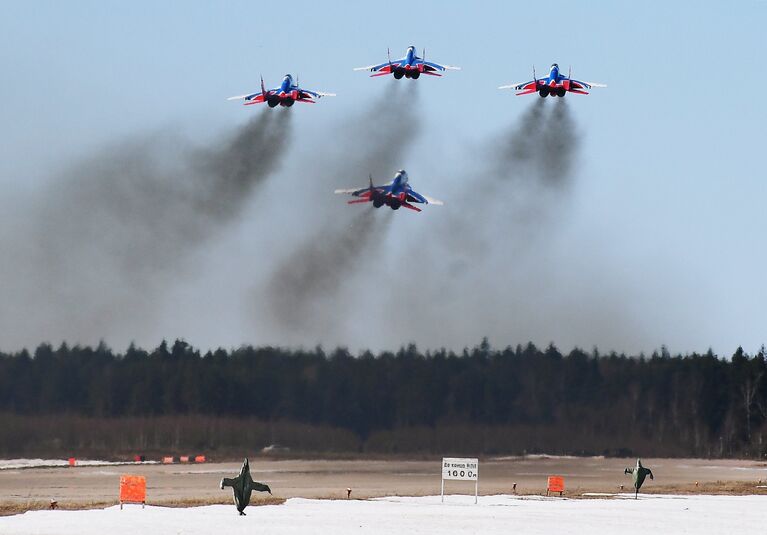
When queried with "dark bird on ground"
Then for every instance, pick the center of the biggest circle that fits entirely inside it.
(639, 473)
(242, 486)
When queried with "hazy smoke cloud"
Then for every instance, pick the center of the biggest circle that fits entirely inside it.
(307, 293)
(488, 269)
(111, 231)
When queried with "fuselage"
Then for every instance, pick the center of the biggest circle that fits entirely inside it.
(554, 73)
(287, 84)
(399, 184)
(285, 95)
(410, 56)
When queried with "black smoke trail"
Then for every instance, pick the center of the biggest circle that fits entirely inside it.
(104, 241)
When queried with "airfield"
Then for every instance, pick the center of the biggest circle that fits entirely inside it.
(198, 484)
(706, 508)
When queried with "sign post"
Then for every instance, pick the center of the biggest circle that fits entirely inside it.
(462, 470)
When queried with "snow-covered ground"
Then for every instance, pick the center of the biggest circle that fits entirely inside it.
(15, 464)
(426, 515)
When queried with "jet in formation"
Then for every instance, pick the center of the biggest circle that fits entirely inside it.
(394, 194)
(411, 66)
(555, 84)
(286, 95)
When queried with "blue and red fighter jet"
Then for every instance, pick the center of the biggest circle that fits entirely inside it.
(286, 95)
(555, 84)
(394, 194)
(411, 66)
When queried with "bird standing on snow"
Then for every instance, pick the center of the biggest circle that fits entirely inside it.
(242, 486)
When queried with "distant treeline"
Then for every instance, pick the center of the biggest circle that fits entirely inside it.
(479, 401)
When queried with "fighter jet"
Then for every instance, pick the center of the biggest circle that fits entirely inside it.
(555, 84)
(411, 66)
(638, 474)
(394, 194)
(286, 95)
(242, 487)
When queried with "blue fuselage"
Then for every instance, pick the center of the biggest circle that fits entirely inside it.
(287, 84)
(554, 74)
(410, 56)
(399, 184)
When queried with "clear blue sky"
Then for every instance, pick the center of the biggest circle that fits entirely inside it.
(671, 188)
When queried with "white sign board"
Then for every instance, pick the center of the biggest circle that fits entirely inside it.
(462, 470)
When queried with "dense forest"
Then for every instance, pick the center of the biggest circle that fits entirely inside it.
(480, 401)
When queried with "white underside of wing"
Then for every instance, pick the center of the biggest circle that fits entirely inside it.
(516, 86)
(239, 97)
(433, 201)
(347, 191)
(596, 84)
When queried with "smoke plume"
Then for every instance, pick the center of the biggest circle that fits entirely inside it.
(111, 231)
(310, 288)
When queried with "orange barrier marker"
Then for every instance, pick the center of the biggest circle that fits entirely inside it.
(72, 461)
(167, 460)
(199, 459)
(132, 490)
(556, 484)
(184, 458)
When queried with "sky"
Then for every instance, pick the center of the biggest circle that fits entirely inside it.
(651, 234)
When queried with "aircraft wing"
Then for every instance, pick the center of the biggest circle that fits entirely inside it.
(360, 191)
(254, 98)
(380, 66)
(316, 94)
(585, 85)
(438, 67)
(520, 86)
(240, 97)
(414, 196)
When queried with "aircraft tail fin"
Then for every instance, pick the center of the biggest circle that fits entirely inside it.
(570, 71)
(388, 56)
(535, 79)
(371, 181)
(263, 88)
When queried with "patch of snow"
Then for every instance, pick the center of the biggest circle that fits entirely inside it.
(427, 515)
(15, 464)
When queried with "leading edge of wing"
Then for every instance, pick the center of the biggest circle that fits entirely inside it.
(379, 66)
(240, 97)
(517, 86)
(441, 67)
